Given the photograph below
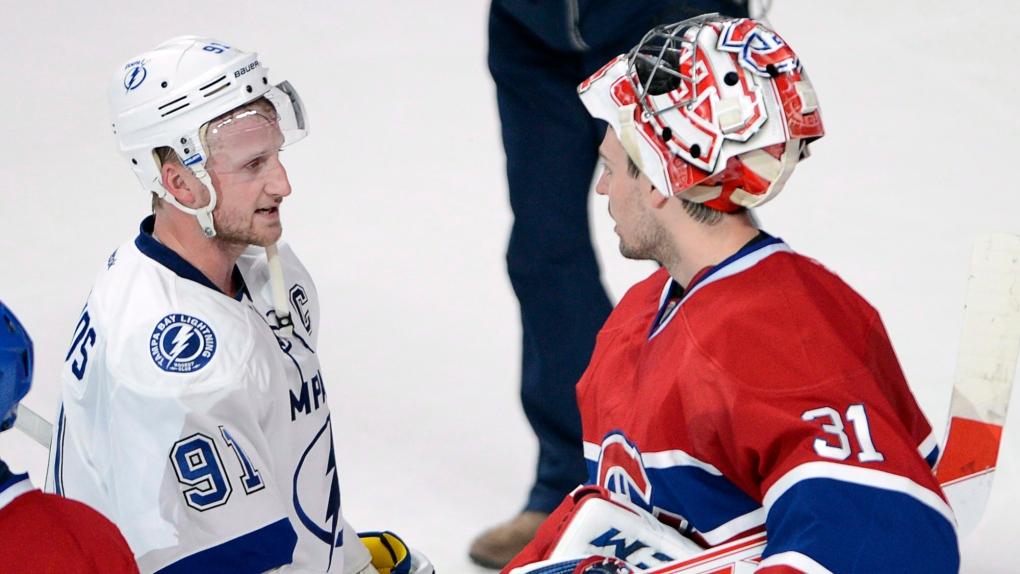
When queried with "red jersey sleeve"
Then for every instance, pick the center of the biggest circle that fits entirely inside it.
(47, 533)
(811, 415)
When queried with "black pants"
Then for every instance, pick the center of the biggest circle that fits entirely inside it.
(537, 58)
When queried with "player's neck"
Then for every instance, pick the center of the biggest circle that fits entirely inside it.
(696, 246)
(214, 258)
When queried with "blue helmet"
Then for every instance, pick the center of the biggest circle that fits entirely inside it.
(15, 366)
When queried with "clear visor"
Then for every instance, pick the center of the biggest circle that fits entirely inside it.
(249, 139)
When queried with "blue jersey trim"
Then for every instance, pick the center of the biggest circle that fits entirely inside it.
(851, 528)
(676, 292)
(933, 457)
(268, 547)
(8, 478)
(761, 240)
(718, 501)
(58, 457)
(169, 258)
(567, 567)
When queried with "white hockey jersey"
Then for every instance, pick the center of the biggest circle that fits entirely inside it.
(193, 427)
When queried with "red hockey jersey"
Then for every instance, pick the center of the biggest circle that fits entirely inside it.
(767, 394)
(48, 533)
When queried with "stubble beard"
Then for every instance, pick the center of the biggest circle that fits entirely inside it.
(236, 233)
(647, 244)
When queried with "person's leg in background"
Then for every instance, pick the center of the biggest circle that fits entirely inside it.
(547, 136)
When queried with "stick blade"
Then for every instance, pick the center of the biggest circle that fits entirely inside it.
(985, 369)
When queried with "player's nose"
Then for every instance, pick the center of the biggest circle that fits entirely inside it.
(278, 184)
(602, 186)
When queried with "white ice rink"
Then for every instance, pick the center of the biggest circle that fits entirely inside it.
(400, 212)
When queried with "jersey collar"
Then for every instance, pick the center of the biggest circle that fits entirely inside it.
(745, 257)
(753, 252)
(169, 258)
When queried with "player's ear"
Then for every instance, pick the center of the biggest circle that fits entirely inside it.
(652, 196)
(180, 182)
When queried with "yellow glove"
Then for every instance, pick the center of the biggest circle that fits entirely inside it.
(389, 553)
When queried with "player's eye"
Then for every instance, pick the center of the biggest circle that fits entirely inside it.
(255, 163)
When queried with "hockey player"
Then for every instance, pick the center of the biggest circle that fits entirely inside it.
(538, 52)
(194, 410)
(43, 532)
(741, 387)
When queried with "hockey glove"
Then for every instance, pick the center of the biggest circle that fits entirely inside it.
(390, 555)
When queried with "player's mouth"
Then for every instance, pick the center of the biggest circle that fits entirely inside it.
(270, 211)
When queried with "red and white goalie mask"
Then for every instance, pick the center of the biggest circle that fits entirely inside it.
(712, 109)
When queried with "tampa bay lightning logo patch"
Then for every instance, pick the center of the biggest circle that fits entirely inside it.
(181, 343)
(134, 74)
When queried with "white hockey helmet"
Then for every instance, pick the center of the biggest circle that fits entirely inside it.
(715, 110)
(165, 98)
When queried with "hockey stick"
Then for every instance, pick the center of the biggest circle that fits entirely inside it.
(987, 361)
(37, 428)
(986, 365)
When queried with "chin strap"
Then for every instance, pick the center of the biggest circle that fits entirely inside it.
(276, 285)
(775, 171)
(203, 215)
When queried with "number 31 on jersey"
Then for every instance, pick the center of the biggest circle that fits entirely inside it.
(832, 425)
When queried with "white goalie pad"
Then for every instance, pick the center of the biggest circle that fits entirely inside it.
(601, 527)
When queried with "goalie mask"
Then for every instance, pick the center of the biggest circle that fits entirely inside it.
(168, 96)
(712, 109)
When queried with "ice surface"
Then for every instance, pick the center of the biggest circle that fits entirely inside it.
(400, 212)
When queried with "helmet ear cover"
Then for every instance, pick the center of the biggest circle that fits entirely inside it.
(693, 96)
(16, 364)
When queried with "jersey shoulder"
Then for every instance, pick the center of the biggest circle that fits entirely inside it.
(159, 329)
(786, 321)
